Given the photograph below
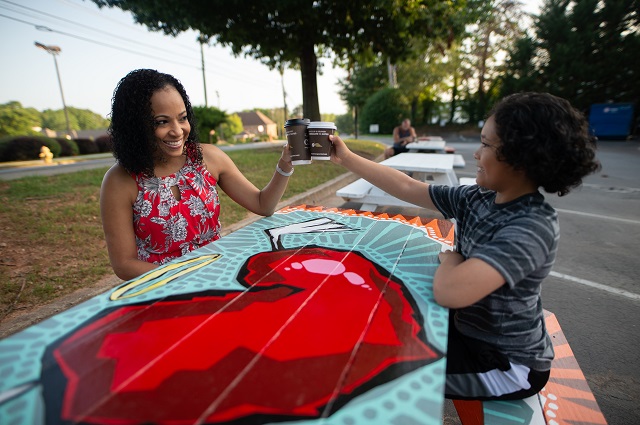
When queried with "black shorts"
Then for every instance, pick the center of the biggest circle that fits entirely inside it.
(478, 371)
(399, 149)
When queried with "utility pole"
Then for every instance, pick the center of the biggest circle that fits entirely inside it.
(55, 50)
(204, 81)
(284, 93)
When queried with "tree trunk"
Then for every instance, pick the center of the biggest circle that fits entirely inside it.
(454, 97)
(309, 72)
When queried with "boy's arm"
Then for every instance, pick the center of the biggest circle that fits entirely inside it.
(459, 283)
(386, 178)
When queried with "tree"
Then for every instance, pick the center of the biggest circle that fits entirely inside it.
(18, 121)
(87, 120)
(585, 50)
(360, 85)
(520, 73)
(580, 50)
(208, 118)
(495, 29)
(231, 127)
(300, 31)
(387, 108)
(55, 120)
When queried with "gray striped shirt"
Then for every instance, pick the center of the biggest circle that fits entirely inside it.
(520, 240)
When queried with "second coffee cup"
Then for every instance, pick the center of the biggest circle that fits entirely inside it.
(296, 130)
(319, 132)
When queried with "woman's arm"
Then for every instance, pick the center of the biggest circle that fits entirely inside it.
(459, 283)
(240, 189)
(117, 195)
(386, 178)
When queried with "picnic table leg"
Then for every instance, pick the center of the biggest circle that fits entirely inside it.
(368, 207)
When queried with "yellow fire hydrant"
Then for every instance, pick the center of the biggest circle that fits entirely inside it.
(46, 155)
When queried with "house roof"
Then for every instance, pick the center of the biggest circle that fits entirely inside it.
(254, 118)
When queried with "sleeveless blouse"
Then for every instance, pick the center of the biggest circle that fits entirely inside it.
(167, 228)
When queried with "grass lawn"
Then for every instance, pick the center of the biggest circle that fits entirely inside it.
(51, 240)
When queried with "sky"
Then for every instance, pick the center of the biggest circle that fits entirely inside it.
(100, 46)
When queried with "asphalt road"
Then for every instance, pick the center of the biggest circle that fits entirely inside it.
(594, 288)
(69, 165)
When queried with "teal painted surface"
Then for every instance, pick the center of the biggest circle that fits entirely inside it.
(404, 251)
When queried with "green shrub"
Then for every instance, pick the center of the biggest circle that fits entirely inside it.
(387, 108)
(87, 146)
(345, 124)
(68, 147)
(4, 142)
(26, 148)
(104, 143)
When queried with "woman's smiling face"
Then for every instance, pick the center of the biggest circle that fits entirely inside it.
(172, 127)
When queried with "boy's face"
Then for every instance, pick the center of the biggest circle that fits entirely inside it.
(492, 173)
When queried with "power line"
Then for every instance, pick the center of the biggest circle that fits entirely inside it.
(45, 28)
(88, 27)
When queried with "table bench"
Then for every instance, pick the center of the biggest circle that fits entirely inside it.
(370, 196)
(431, 168)
(565, 400)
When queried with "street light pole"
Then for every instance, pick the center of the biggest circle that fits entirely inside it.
(55, 50)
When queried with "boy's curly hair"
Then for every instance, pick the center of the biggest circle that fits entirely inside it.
(132, 124)
(546, 137)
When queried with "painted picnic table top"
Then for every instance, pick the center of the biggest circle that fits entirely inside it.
(312, 315)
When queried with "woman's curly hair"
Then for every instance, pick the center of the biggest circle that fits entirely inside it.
(547, 138)
(132, 124)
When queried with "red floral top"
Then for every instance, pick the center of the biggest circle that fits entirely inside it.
(166, 227)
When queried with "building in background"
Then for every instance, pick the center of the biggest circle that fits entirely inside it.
(258, 124)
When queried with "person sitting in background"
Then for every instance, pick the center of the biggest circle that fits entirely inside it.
(506, 241)
(402, 136)
(160, 200)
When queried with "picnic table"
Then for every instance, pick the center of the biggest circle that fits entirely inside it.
(437, 146)
(432, 168)
(312, 315)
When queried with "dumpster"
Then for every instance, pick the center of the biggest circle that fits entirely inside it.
(611, 120)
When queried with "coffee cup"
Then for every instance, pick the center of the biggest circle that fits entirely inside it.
(296, 131)
(319, 143)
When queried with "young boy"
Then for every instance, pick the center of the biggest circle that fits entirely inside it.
(507, 239)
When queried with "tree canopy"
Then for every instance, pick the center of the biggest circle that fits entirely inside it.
(582, 51)
(297, 32)
(16, 120)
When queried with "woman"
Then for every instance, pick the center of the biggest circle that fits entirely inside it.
(160, 201)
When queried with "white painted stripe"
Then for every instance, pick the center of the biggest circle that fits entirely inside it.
(610, 289)
(602, 217)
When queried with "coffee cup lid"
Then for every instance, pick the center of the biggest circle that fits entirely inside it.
(295, 121)
(322, 124)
